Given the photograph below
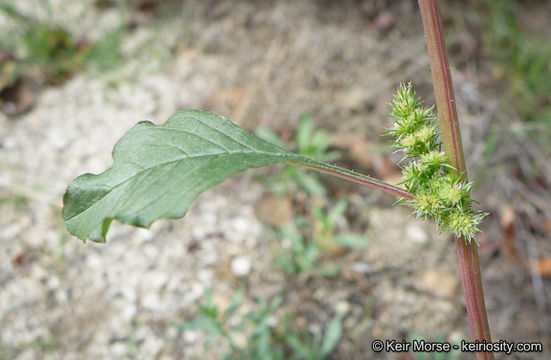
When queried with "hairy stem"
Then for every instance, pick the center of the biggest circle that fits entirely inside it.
(357, 178)
(467, 252)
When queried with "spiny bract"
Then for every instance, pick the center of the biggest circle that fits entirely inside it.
(439, 193)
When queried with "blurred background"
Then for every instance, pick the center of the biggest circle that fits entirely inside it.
(275, 262)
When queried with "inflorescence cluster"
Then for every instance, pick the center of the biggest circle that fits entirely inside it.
(439, 192)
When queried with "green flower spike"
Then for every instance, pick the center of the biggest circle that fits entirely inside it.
(440, 194)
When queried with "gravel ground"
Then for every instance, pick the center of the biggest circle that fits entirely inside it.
(258, 63)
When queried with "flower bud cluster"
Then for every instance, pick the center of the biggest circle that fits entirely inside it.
(439, 193)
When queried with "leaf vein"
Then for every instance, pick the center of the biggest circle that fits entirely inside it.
(167, 162)
(181, 179)
(220, 132)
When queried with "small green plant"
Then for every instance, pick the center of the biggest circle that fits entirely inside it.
(317, 346)
(307, 142)
(521, 59)
(159, 170)
(309, 239)
(451, 355)
(52, 49)
(214, 321)
(302, 255)
(325, 228)
(310, 233)
(268, 336)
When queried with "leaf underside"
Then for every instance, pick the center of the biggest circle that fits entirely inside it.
(158, 170)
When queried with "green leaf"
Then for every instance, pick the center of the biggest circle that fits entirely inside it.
(337, 212)
(332, 336)
(304, 134)
(311, 184)
(270, 136)
(104, 53)
(159, 170)
(352, 240)
(302, 350)
(13, 13)
(235, 303)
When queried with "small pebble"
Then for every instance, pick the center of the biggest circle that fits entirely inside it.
(241, 266)
(417, 234)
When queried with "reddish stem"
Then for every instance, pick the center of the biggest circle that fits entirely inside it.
(467, 252)
(443, 87)
(355, 177)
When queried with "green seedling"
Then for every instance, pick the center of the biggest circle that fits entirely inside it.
(307, 142)
(434, 355)
(159, 170)
(302, 255)
(307, 240)
(52, 49)
(268, 337)
(212, 320)
(325, 233)
(316, 346)
(265, 340)
(522, 59)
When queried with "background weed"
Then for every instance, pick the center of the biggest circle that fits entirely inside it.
(51, 50)
(269, 336)
(522, 59)
(453, 354)
(315, 144)
(308, 238)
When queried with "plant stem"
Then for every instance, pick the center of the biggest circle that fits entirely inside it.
(467, 252)
(354, 177)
